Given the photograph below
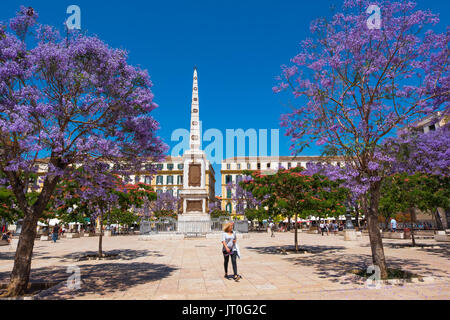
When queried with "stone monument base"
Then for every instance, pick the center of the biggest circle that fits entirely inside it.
(194, 223)
(350, 235)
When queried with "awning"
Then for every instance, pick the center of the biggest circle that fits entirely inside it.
(293, 220)
(53, 222)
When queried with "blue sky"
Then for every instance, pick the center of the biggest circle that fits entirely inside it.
(237, 45)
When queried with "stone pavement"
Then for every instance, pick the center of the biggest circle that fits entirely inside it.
(193, 269)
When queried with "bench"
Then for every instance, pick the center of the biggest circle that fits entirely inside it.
(442, 236)
(394, 235)
(71, 235)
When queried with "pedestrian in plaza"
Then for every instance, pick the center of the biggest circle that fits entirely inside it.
(230, 249)
(322, 227)
(55, 233)
(272, 227)
(393, 225)
(335, 228)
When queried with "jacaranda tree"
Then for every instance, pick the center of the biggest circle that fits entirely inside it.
(103, 197)
(355, 84)
(243, 200)
(166, 205)
(415, 151)
(72, 100)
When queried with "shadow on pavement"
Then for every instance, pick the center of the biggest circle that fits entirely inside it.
(125, 254)
(291, 248)
(336, 268)
(100, 278)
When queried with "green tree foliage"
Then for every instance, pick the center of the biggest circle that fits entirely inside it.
(405, 193)
(292, 194)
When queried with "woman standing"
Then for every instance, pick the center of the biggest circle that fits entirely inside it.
(229, 250)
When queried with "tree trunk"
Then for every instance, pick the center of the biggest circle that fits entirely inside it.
(296, 233)
(20, 274)
(439, 224)
(357, 214)
(289, 224)
(412, 215)
(376, 242)
(100, 239)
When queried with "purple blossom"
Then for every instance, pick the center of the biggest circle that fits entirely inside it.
(357, 89)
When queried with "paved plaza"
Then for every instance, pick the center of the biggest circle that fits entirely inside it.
(193, 269)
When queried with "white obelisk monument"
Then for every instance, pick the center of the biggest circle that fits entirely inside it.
(194, 194)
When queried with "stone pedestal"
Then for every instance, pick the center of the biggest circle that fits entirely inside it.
(350, 235)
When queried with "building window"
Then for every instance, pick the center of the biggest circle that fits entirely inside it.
(159, 180)
(239, 166)
(248, 166)
(169, 179)
(137, 179)
(158, 192)
(289, 165)
(180, 180)
(268, 165)
(228, 207)
(228, 166)
(170, 166)
(170, 191)
(433, 127)
(238, 178)
(228, 179)
(148, 180)
(148, 167)
(229, 193)
(258, 166)
(178, 193)
(159, 166)
(180, 166)
(299, 164)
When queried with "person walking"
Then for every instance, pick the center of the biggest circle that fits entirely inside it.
(393, 225)
(322, 227)
(55, 233)
(335, 228)
(230, 249)
(272, 227)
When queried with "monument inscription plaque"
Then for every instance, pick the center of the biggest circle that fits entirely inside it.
(195, 175)
(194, 206)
